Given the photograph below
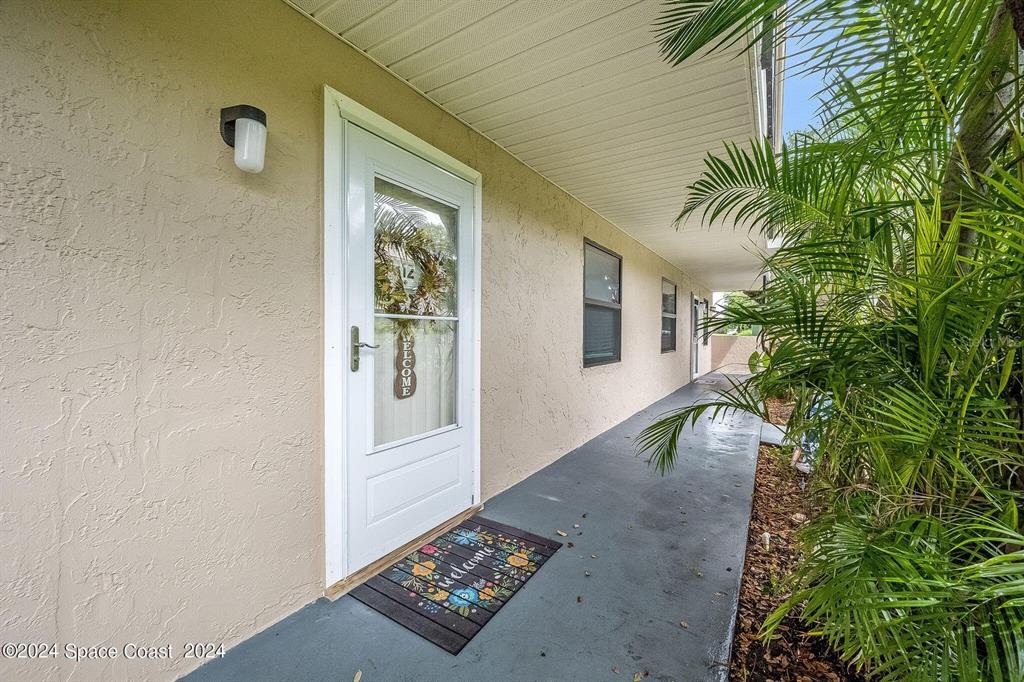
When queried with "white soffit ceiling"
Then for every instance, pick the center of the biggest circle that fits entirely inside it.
(578, 91)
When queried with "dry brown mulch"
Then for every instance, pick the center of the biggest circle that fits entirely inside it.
(779, 410)
(792, 655)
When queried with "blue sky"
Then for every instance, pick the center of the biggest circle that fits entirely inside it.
(798, 93)
(798, 101)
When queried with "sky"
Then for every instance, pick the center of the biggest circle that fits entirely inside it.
(798, 102)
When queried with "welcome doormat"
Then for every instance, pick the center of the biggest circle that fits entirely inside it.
(448, 589)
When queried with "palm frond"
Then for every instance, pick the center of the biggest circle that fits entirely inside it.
(897, 298)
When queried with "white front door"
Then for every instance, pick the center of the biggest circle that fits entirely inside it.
(694, 336)
(409, 417)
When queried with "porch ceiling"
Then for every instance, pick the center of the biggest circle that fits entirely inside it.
(578, 91)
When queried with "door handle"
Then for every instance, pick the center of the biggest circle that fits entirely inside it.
(356, 345)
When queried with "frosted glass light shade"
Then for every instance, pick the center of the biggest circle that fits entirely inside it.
(250, 144)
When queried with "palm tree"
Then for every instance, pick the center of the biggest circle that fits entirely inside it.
(898, 296)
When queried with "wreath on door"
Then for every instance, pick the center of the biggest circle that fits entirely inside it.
(414, 274)
(414, 262)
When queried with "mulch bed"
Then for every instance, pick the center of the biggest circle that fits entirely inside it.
(779, 410)
(792, 655)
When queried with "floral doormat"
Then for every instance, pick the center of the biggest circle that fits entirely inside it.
(447, 590)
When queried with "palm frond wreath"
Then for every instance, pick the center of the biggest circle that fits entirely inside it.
(415, 261)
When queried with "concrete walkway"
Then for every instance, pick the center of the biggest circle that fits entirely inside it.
(668, 550)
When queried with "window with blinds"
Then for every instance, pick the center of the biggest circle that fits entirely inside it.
(602, 305)
(668, 316)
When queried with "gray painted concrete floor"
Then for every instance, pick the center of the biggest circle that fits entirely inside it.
(773, 434)
(668, 550)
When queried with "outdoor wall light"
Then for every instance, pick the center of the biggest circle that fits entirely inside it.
(244, 127)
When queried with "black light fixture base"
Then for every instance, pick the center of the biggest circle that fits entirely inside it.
(228, 116)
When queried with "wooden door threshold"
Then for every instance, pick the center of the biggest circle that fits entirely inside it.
(366, 572)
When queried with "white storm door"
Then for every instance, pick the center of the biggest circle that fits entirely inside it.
(410, 424)
(695, 336)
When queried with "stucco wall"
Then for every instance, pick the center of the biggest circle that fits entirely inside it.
(732, 352)
(160, 371)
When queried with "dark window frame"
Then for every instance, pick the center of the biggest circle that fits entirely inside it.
(674, 316)
(602, 304)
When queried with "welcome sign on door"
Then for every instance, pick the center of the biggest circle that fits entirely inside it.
(405, 367)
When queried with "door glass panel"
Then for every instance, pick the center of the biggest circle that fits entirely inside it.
(415, 306)
(414, 255)
(414, 377)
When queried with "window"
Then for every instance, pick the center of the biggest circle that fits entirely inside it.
(668, 316)
(602, 305)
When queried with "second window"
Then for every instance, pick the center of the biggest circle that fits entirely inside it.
(602, 305)
(668, 316)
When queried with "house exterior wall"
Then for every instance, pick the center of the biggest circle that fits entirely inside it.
(161, 321)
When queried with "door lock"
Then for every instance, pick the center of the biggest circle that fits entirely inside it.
(356, 345)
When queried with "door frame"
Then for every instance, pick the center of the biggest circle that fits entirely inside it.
(339, 110)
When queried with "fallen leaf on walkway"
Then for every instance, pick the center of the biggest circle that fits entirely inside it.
(561, 532)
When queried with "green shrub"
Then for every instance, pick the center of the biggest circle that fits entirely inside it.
(898, 295)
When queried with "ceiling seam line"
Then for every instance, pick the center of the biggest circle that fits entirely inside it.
(416, 25)
(598, 151)
(564, 10)
(611, 120)
(663, 74)
(361, 21)
(470, 25)
(526, 51)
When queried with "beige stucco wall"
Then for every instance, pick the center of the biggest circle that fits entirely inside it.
(732, 353)
(160, 312)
